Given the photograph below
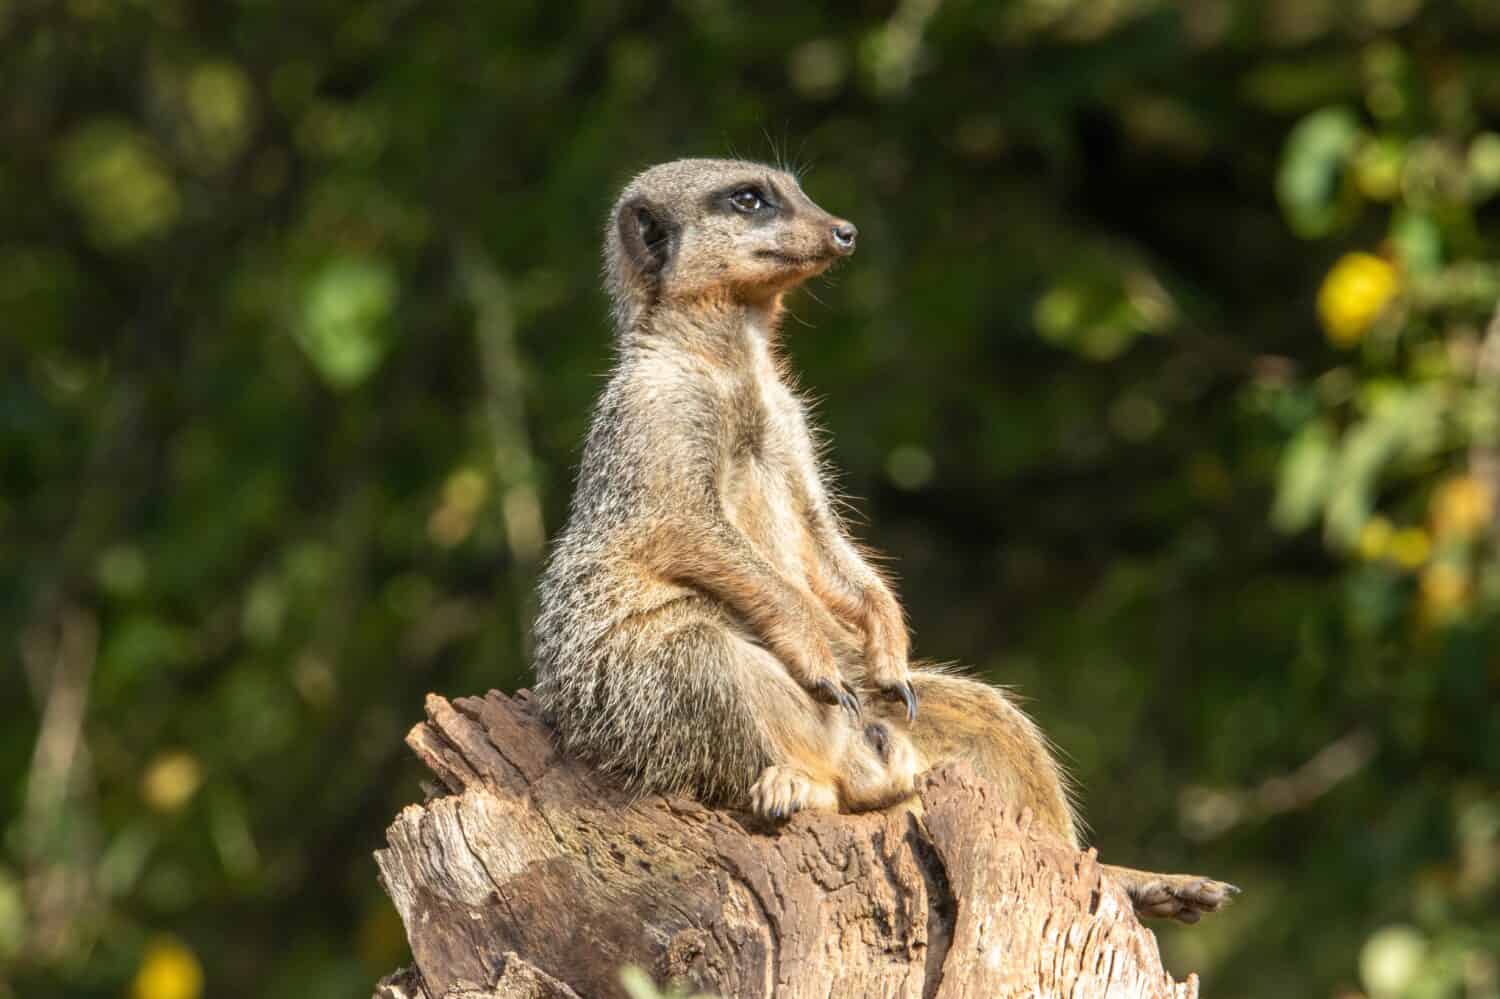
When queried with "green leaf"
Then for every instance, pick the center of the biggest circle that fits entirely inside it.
(1366, 450)
(1404, 425)
(1305, 478)
(1418, 241)
(346, 309)
(1309, 183)
(1101, 308)
(119, 182)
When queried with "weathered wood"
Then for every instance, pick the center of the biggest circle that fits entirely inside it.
(528, 878)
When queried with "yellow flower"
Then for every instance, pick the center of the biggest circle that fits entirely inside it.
(465, 489)
(1375, 538)
(1353, 295)
(1461, 506)
(171, 780)
(169, 970)
(1409, 547)
(1445, 589)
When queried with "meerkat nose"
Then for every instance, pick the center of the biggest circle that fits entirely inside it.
(844, 235)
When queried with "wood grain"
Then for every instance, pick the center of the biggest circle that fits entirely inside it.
(525, 877)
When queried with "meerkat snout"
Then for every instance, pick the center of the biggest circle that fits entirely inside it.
(844, 234)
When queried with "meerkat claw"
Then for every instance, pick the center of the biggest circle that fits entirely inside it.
(851, 699)
(904, 691)
(841, 694)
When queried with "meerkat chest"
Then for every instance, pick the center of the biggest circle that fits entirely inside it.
(762, 424)
(761, 489)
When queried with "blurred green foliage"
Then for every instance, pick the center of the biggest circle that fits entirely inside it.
(1164, 368)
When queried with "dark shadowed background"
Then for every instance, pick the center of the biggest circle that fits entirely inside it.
(1162, 374)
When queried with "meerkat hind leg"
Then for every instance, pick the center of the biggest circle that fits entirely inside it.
(819, 759)
(1183, 897)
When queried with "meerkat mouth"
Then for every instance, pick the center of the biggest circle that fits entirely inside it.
(794, 260)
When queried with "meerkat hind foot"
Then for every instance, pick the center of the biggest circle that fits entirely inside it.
(1183, 897)
(781, 792)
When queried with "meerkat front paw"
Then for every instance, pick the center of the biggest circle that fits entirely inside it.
(889, 673)
(781, 792)
(902, 689)
(810, 662)
(886, 663)
(839, 692)
(1183, 897)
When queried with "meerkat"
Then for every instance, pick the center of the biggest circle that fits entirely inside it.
(707, 624)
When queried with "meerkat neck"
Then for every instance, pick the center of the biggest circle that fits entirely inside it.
(717, 327)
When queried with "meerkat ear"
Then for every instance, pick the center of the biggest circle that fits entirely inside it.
(649, 237)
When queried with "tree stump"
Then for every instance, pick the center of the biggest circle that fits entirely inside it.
(527, 877)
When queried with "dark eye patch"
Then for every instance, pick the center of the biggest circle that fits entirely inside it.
(752, 199)
(879, 739)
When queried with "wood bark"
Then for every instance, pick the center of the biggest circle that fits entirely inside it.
(524, 876)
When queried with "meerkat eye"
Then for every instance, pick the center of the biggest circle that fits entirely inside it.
(748, 200)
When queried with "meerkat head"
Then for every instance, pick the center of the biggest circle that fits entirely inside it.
(724, 228)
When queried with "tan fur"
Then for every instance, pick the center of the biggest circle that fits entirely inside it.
(684, 623)
(707, 624)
